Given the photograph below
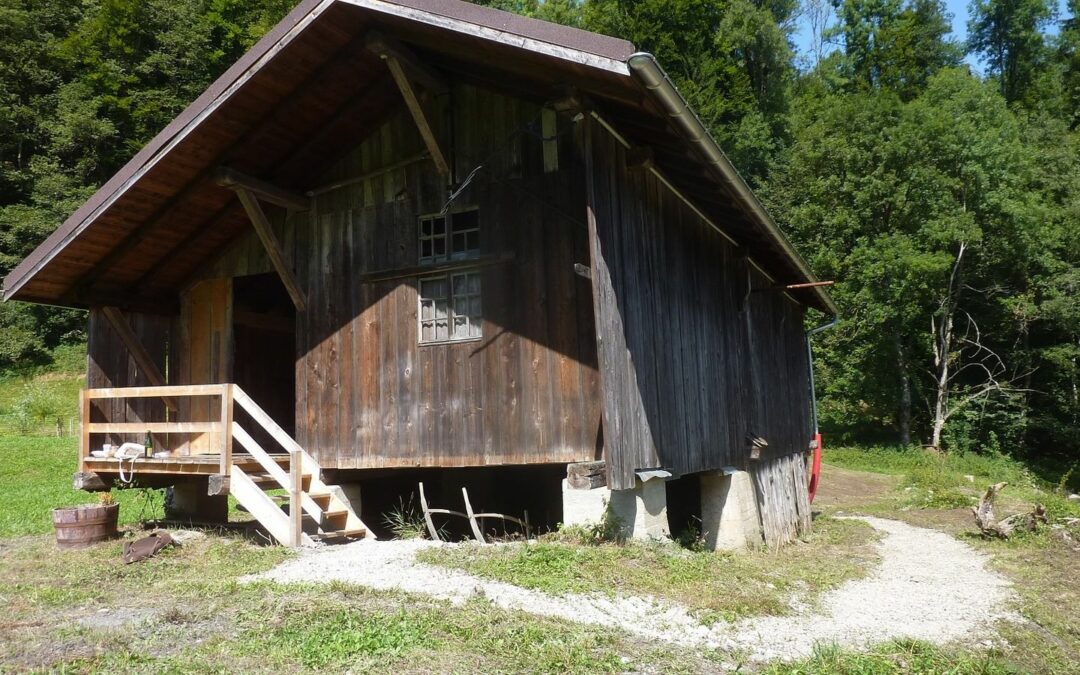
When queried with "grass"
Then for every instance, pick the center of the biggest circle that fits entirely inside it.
(184, 611)
(715, 586)
(940, 481)
(35, 477)
(896, 657)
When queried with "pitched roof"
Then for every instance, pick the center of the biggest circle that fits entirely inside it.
(152, 225)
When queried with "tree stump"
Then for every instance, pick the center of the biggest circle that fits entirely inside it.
(1003, 529)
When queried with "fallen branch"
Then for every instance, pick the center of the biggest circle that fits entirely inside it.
(1003, 529)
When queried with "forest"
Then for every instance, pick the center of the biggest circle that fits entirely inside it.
(943, 199)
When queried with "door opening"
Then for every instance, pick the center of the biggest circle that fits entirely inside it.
(264, 353)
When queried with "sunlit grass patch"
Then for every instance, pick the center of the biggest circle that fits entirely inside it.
(715, 586)
(954, 479)
(909, 657)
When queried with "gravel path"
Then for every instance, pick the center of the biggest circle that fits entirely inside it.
(929, 586)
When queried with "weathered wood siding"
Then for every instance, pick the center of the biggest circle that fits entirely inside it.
(782, 488)
(109, 364)
(691, 359)
(201, 352)
(368, 395)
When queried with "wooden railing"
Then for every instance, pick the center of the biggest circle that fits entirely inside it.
(221, 428)
(285, 528)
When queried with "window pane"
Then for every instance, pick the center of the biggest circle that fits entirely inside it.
(439, 226)
(466, 220)
(461, 327)
(472, 241)
(425, 228)
(440, 247)
(459, 243)
(425, 248)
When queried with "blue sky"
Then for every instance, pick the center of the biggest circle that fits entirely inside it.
(959, 11)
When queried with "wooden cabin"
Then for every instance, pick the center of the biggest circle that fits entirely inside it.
(406, 241)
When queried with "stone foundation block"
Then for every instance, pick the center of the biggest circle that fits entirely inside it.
(642, 511)
(729, 511)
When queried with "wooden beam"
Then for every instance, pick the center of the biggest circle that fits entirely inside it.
(640, 158)
(90, 482)
(271, 323)
(273, 248)
(217, 485)
(436, 268)
(167, 305)
(264, 190)
(154, 427)
(156, 391)
(142, 357)
(280, 111)
(412, 102)
(133, 239)
(168, 255)
(388, 48)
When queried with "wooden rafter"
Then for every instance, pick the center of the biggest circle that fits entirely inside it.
(406, 69)
(138, 352)
(273, 249)
(264, 190)
(413, 67)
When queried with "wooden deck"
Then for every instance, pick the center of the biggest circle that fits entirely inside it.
(315, 511)
(199, 465)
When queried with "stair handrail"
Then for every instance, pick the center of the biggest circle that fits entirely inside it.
(293, 482)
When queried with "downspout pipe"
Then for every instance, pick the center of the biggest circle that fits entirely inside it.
(644, 67)
(810, 366)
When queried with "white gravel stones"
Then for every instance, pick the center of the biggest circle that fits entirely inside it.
(929, 586)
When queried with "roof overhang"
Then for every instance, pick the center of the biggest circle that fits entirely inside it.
(144, 232)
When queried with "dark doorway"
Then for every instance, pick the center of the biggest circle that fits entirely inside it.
(264, 354)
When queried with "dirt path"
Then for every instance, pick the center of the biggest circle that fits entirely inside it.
(929, 586)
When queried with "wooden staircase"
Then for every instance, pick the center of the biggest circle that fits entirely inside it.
(315, 512)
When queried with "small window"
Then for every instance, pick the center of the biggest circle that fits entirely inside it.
(455, 236)
(450, 307)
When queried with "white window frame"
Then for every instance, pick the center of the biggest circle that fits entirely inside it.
(452, 301)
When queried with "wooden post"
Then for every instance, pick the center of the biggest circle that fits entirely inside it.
(296, 478)
(84, 429)
(273, 248)
(226, 428)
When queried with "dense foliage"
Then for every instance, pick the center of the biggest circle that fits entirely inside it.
(945, 204)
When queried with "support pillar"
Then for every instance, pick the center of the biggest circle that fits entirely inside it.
(190, 502)
(729, 512)
(642, 511)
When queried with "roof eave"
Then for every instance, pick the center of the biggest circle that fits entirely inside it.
(644, 67)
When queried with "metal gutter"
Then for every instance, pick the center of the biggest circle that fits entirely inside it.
(810, 366)
(644, 67)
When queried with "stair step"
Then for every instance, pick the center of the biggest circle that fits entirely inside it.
(268, 482)
(334, 535)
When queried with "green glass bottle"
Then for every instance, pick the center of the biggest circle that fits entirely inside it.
(149, 443)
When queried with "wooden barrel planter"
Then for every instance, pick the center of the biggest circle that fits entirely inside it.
(82, 526)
